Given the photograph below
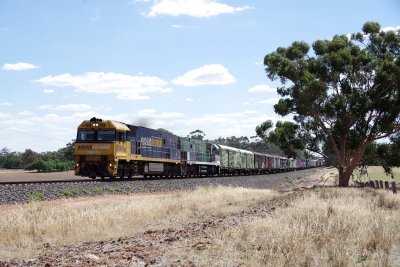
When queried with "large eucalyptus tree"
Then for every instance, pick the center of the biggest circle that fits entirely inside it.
(343, 93)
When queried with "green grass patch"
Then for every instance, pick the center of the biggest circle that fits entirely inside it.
(98, 191)
(85, 191)
(35, 196)
(288, 180)
(112, 189)
(69, 193)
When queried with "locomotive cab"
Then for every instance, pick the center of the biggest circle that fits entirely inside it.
(97, 144)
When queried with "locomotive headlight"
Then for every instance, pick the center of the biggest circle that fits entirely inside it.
(110, 164)
(77, 165)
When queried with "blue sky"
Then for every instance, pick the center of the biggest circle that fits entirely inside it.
(180, 65)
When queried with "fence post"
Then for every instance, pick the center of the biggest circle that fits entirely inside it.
(380, 183)
(371, 184)
(376, 184)
(394, 189)
(387, 185)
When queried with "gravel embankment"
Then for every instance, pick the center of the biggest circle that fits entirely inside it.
(20, 193)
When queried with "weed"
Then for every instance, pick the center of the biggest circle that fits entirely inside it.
(98, 191)
(35, 196)
(286, 205)
(74, 191)
(69, 193)
(85, 191)
(112, 189)
(361, 259)
(288, 180)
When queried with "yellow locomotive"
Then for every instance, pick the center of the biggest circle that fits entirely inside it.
(110, 149)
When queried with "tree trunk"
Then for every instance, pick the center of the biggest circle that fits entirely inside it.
(344, 176)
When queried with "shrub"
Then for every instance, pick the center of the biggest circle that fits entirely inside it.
(12, 162)
(50, 165)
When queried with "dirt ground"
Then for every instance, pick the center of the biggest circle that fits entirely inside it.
(7, 175)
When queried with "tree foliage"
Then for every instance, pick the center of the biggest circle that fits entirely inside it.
(197, 134)
(252, 144)
(59, 160)
(344, 93)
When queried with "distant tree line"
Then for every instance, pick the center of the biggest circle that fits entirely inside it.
(59, 160)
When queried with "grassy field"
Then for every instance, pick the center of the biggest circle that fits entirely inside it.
(327, 227)
(24, 228)
(377, 173)
(318, 227)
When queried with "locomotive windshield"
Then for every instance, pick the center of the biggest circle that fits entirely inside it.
(106, 135)
(93, 135)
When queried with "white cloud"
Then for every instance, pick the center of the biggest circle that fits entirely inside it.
(188, 99)
(67, 107)
(193, 8)
(4, 104)
(179, 26)
(270, 101)
(261, 88)
(394, 29)
(19, 66)
(48, 91)
(4, 116)
(214, 74)
(26, 113)
(246, 103)
(153, 114)
(258, 63)
(125, 86)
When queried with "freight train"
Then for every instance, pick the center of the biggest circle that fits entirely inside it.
(106, 148)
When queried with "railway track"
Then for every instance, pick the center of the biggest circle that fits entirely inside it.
(23, 191)
(72, 180)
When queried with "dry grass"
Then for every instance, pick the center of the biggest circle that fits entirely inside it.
(24, 228)
(377, 173)
(327, 227)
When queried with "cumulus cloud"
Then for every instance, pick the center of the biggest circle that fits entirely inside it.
(270, 101)
(5, 104)
(4, 116)
(125, 86)
(19, 66)
(394, 29)
(261, 88)
(193, 8)
(188, 99)
(214, 74)
(48, 91)
(179, 26)
(152, 113)
(66, 107)
(26, 113)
